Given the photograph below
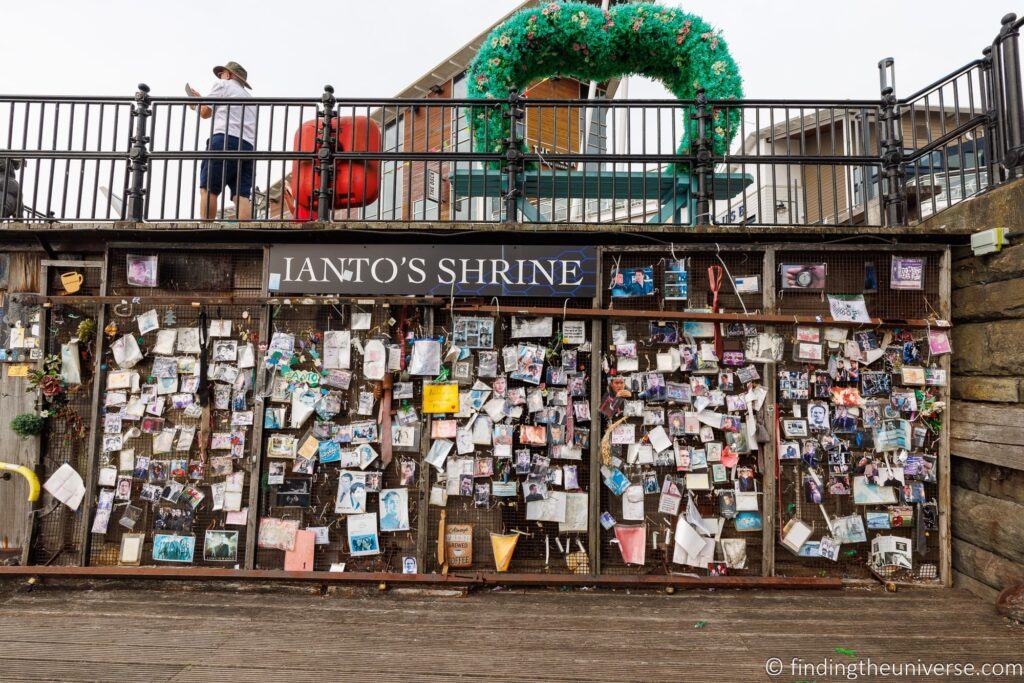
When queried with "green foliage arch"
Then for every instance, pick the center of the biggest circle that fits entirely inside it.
(579, 40)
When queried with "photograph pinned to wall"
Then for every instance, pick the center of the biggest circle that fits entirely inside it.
(394, 510)
(524, 328)
(142, 270)
(632, 282)
(362, 534)
(173, 548)
(676, 280)
(277, 534)
(220, 545)
(906, 273)
(662, 332)
(803, 276)
(473, 332)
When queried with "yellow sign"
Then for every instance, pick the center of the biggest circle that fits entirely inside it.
(18, 370)
(440, 398)
(503, 546)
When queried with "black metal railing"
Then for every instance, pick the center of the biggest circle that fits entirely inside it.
(890, 161)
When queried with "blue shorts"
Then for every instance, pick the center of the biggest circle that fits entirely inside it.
(216, 174)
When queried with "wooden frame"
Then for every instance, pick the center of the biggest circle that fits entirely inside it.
(596, 315)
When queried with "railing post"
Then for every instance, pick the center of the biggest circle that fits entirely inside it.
(326, 144)
(993, 145)
(138, 156)
(705, 166)
(893, 174)
(1012, 98)
(513, 157)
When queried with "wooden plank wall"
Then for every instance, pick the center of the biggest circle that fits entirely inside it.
(16, 399)
(987, 434)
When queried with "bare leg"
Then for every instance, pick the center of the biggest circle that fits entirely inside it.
(243, 208)
(208, 205)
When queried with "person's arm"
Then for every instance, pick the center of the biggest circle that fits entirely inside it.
(205, 110)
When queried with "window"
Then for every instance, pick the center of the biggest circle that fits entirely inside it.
(389, 205)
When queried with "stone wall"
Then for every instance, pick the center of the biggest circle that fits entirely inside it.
(987, 412)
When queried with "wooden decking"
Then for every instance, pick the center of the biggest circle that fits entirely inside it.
(189, 632)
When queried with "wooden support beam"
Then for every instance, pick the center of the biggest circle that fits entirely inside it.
(755, 318)
(451, 579)
(770, 462)
(944, 473)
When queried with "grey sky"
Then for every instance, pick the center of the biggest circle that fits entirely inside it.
(785, 48)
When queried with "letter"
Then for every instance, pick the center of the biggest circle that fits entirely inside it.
(549, 275)
(359, 267)
(479, 270)
(416, 265)
(307, 265)
(445, 265)
(394, 270)
(500, 272)
(570, 268)
(287, 268)
(341, 275)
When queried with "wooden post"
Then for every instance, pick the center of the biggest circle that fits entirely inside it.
(423, 515)
(769, 478)
(945, 491)
(85, 538)
(44, 326)
(256, 445)
(596, 384)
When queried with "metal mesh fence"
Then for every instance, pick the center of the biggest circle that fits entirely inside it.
(648, 335)
(542, 546)
(308, 323)
(58, 531)
(864, 272)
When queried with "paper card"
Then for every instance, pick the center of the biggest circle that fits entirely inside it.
(523, 328)
(126, 352)
(66, 485)
(633, 503)
(374, 359)
(697, 481)
(337, 349)
(148, 321)
(659, 439)
(687, 537)
(361, 320)
(624, 434)
(425, 358)
(549, 509)
(574, 332)
(848, 307)
(440, 398)
(795, 534)
(300, 558)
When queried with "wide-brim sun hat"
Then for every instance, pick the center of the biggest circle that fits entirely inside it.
(237, 70)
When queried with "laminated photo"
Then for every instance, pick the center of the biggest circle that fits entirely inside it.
(425, 358)
(362, 534)
(220, 546)
(351, 495)
(173, 548)
(473, 332)
(803, 276)
(676, 281)
(632, 282)
(142, 270)
(337, 349)
(906, 272)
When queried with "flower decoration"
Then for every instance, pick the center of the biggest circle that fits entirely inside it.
(579, 40)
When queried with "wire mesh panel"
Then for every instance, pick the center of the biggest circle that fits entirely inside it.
(176, 453)
(58, 530)
(856, 271)
(531, 476)
(661, 377)
(343, 475)
(844, 398)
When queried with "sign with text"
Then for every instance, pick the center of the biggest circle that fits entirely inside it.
(439, 270)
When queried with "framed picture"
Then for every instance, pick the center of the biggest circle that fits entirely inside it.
(131, 549)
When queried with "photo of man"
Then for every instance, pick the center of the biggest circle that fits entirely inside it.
(394, 510)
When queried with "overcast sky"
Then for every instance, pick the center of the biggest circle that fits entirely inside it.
(785, 48)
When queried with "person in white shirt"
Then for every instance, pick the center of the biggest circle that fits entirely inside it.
(234, 129)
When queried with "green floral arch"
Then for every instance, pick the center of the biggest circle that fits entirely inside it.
(579, 40)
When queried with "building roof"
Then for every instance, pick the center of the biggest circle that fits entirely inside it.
(459, 60)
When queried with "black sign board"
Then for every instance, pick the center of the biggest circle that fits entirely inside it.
(439, 270)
